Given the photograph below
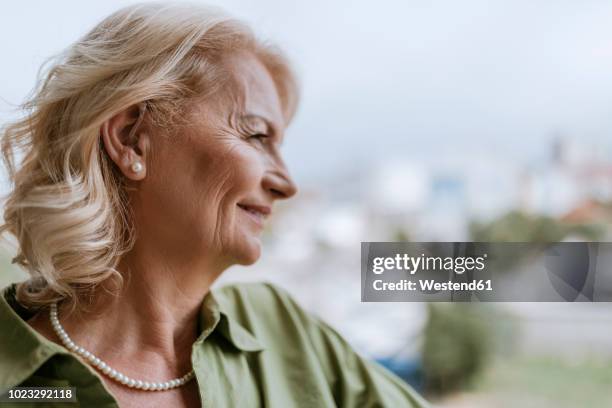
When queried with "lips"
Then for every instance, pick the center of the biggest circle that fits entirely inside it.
(257, 213)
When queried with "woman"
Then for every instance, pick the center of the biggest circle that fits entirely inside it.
(150, 164)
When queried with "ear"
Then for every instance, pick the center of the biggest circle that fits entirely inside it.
(126, 141)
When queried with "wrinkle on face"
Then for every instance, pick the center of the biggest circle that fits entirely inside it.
(218, 184)
(211, 164)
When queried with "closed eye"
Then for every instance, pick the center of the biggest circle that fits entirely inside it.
(259, 137)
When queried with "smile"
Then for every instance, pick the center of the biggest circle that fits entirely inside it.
(256, 213)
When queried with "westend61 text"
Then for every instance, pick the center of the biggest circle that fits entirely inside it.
(432, 285)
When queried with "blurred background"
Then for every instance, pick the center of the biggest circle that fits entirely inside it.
(442, 121)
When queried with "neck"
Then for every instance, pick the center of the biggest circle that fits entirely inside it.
(152, 319)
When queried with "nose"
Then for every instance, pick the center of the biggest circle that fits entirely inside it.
(279, 183)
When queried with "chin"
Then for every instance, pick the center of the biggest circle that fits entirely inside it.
(250, 253)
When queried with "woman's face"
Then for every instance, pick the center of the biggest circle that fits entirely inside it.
(210, 187)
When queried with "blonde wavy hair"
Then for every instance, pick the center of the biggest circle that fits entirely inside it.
(68, 208)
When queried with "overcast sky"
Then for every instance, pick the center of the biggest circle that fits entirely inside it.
(393, 78)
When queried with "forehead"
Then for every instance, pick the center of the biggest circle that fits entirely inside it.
(253, 89)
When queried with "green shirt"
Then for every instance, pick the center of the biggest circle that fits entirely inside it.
(257, 348)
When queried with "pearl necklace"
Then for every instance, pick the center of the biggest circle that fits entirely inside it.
(108, 371)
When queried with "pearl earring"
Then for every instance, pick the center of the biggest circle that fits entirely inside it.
(137, 167)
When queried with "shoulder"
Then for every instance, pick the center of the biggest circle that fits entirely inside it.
(270, 309)
(272, 313)
(309, 342)
(247, 288)
(263, 301)
(264, 294)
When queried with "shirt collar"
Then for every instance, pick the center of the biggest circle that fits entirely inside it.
(22, 349)
(215, 314)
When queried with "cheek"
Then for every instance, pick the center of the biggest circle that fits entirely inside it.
(235, 232)
(195, 194)
(227, 174)
(247, 169)
(224, 178)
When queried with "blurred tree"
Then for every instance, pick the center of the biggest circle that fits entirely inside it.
(456, 345)
(401, 235)
(517, 226)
